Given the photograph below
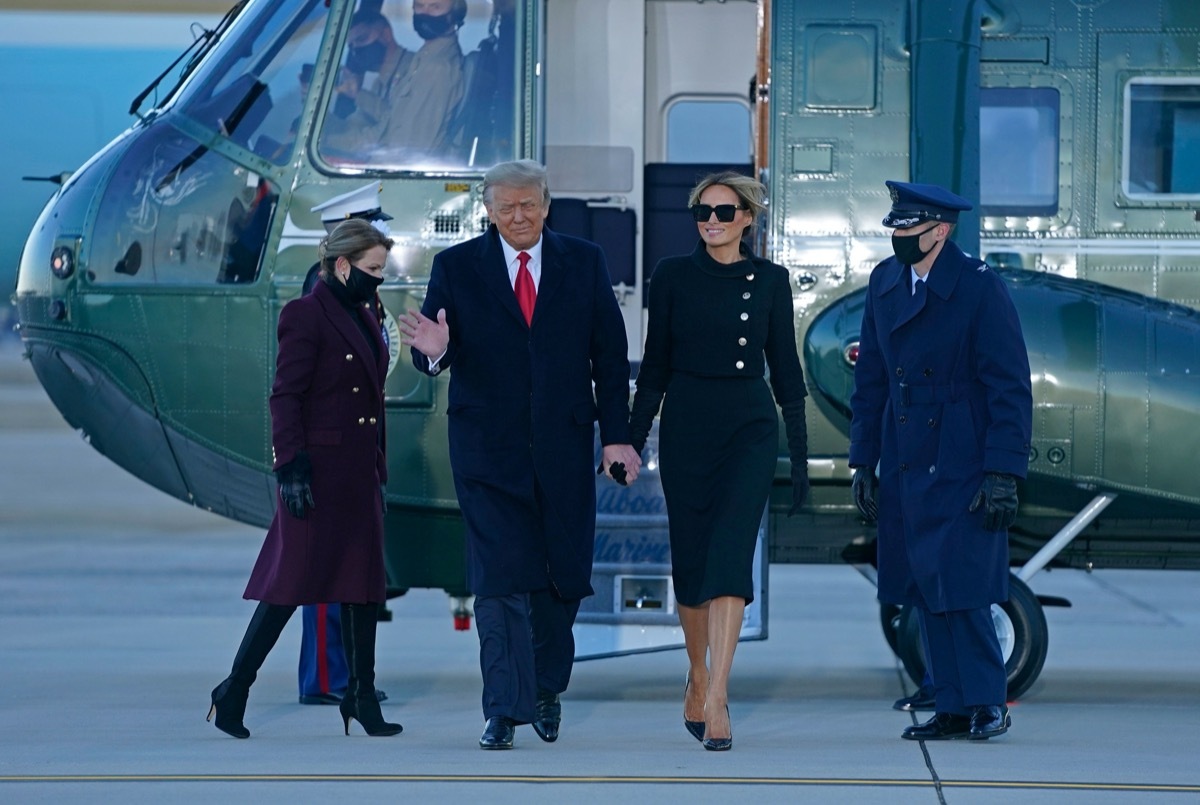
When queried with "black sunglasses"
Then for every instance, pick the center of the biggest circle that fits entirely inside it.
(725, 212)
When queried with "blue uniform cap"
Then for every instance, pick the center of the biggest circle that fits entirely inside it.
(915, 203)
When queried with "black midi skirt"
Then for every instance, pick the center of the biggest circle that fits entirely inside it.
(718, 447)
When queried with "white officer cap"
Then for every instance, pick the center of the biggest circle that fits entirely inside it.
(361, 203)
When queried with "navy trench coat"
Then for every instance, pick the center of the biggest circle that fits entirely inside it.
(327, 399)
(523, 401)
(942, 395)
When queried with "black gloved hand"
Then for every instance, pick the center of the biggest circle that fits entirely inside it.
(296, 495)
(998, 494)
(799, 486)
(295, 490)
(616, 470)
(864, 486)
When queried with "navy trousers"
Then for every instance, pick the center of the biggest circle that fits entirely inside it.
(525, 645)
(322, 659)
(964, 659)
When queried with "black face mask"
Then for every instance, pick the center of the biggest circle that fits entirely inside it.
(908, 247)
(430, 26)
(366, 58)
(361, 285)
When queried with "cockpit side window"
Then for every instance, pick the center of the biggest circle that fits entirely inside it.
(426, 85)
(177, 213)
(254, 94)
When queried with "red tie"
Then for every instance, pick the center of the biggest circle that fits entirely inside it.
(526, 293)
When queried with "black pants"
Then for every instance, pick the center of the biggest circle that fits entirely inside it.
(525, 645)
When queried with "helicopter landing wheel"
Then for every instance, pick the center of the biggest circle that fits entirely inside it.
(1020, 625)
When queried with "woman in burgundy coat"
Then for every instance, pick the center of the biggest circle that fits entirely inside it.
(325, 544)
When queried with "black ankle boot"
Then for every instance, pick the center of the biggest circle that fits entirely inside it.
(229, 706)
(229, 698)
(360, 701)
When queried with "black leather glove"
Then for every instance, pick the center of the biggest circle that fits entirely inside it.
(616, 470)
(998, 495)
(295, 485)
(797, 438)
(865, 486)
(646, 403)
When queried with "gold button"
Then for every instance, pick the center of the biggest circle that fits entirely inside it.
(361, 421)
(741, 342)
(750, 277)
(745, 317)
(740, 364)
(349, 357)
(354, 390)
(372, 420)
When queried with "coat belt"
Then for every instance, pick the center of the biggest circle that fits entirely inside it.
(928, 394)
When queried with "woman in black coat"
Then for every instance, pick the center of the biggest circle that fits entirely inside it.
(717, 318)
(325, 544)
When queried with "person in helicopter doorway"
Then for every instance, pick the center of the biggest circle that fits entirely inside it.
(403, 99)
(325, 542)
(942, 403)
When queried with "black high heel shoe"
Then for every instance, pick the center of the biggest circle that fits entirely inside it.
(229, 707)
(696, 728)
(369, 714)
(720, 744)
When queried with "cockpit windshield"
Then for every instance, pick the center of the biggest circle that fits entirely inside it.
(425, 85)
(254, 92)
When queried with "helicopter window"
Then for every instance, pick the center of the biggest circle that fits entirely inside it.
(425, 85)
(1018, 151)
(1162, 139)
(176, 212)
(253, 95)
(708, 130)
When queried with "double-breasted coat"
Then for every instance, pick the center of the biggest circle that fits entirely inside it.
(327, 400)
(523, 401)
(942, 395)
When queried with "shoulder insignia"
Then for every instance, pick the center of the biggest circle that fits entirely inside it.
(982, 267)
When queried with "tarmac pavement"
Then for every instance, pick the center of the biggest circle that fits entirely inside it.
(121, 608)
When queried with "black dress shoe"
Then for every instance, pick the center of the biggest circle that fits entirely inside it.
(989, 720)
(334, 698)
(548, 716)
(321, 698)
(942, 727)
(921, 700)
(498, 733)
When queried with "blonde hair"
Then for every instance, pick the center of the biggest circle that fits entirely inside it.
(750, 192)
(351, 239)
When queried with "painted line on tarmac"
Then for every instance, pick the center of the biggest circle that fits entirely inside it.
(840, 782)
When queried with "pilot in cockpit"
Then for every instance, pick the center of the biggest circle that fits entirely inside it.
(404, 99)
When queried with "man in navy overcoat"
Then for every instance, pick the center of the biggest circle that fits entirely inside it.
(528, 325)
(942, 403)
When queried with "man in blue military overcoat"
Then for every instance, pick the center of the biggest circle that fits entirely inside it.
(942, 404)
(528, 325)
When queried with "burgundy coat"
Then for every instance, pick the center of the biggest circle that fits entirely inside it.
(327, 400)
